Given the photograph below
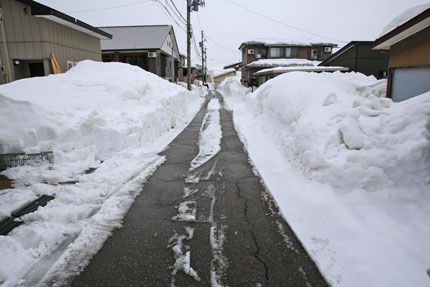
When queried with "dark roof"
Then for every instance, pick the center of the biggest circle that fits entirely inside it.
(40, 10)
(345, 49)
(402, 28)
(233, 65)
(142, 37)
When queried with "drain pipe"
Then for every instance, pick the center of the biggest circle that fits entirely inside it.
(6, 50)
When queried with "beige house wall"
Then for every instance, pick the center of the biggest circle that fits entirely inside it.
(31, 38)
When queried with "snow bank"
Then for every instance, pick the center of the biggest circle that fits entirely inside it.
(349, 170)
(404, 17)
(340, 129)
(111, 117)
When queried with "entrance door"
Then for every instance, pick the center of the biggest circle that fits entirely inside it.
(36, 69)
(409, 82)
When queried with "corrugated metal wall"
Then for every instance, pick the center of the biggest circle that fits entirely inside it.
(409, 82)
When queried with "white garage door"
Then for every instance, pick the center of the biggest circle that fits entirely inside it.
(410, 82)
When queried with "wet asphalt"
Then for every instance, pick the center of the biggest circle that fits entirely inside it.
(239, 237)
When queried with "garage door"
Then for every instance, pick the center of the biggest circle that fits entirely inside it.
(410, 82)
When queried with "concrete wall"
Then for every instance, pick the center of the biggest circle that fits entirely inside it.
(32, 38)
(412, 51)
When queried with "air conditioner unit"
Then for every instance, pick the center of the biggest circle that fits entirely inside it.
(152, 55)
(258, 56)
(327, 49)
(251, 51)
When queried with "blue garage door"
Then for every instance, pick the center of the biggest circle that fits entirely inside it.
(410, 82)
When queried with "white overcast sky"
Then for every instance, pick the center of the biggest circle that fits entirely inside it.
(227, 24)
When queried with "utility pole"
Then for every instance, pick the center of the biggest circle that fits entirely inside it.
(194, 6)
(202, 45)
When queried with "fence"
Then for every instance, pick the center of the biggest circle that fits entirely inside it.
(20, 159)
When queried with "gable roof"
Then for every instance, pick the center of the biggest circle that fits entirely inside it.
(407, 29)
(136, 37)
(40, 10)
(344, 49)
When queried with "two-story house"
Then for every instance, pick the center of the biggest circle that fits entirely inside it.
(258, 55)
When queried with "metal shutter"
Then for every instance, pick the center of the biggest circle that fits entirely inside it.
(410, 82)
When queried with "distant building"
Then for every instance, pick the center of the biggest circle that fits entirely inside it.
(153, 48)
(409, 62)
(33, 32)
(359, 56)
(220, 76)
(253, 51)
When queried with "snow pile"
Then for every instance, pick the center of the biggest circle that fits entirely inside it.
(340, 129)
(349, 170)
(109, 117)
(404, 17)
(283, 63)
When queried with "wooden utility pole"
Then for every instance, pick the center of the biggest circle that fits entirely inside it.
(202, 45)
(189, 45)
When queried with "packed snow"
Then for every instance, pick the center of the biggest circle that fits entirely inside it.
(404, 17)
(111, 117)
(349, 169)
(283, 63)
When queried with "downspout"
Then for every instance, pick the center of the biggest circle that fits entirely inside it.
(173, 67)
(6, 50)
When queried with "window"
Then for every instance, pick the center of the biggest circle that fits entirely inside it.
(316, 54)
(275, 52)
(262, 52)
(291, 52)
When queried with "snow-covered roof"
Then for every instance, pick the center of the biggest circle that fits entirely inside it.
(270, 63)
(135, 37)
(223, 72)
(404, 17)
(287, 42)
(281, 70)
(410, 22)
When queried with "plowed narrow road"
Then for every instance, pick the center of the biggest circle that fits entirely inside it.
(213, 225)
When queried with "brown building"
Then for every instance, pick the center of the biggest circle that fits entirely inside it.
(253, 51)
(32, 32)
(409, 61)
(153, 48)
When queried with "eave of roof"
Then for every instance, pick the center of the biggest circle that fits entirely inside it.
(287, 44)
(40, 10)
(282, 70)
(413, 26)
(343, 50)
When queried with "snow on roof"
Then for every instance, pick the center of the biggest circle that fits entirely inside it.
(223, 72)
(280, 70)
(135, 37)
(287, 42)
(404, 17)
(270, 63)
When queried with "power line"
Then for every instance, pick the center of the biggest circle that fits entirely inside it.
(178, 16)
(171, 16)
(221, 45)
(281, 23)
(108, 8)
(177, 10)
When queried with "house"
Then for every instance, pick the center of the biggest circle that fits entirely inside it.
(408, 46)
(222, 75)
(153, 48)
(33, 32)
(359, 56)
(254, 51)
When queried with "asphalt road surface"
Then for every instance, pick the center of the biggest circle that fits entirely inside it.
(213, 226)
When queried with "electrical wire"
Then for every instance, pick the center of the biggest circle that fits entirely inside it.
(171, 16)
(281, 23)
(222, 46)
(177, 10)
(113, 7)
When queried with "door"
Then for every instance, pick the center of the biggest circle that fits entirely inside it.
(409, 82)
(36, 69)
